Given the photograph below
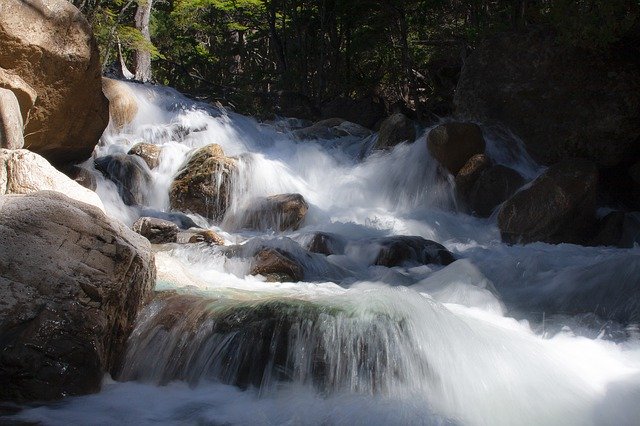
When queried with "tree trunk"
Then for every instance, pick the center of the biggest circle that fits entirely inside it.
(142, 59)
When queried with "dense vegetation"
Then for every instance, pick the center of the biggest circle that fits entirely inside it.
(408, 51)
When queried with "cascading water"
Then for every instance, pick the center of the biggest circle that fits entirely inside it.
(505, 335)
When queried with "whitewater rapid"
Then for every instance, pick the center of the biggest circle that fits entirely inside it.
(505, 335)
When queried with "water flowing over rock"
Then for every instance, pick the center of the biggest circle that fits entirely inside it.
(203, 185)
(24, 172)
(325, 243)
(123, 106)
(559, 206)
(563, 102)
(494, 185)
(201, 236)
(157, 231)
(70, 111)
(469, 174)
(400, 250)
(72, 283)
(130, 174)
(453, 144)
(331, 128)
(394, 130)
(276, 266)
(11, 136)
(278, 212)
(149, 152)
(180, 219)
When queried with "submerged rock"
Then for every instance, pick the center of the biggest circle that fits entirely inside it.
(558, 206)
(400, 250)
(203, 186)
(276, 265)
(157, 231)
(72, 283)
(70, 111)
(11, 136)
(123, 106)
(278, 212)
(394, 130)
(149, 152)
(494, 185)
(453, 144)
(130, 174)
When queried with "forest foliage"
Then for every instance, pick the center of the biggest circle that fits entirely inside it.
(407, 51)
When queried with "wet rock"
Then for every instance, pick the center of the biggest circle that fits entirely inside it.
(331, 128)
(325, 243)
(563, 102)
(203, 236)
(558, 206)
(618, 229)
(400, 250)
(149, 152)
(25, 172)
(70, 112)
(495, 185)
(123, 106)
(469, 174)
(278, 212)
(276, 266)
(453, 144)
(130, 174)
(72, 283)
(11, 136)
(203, 185)
(367, 111)
(157, 231)
(84, 177)
(394, 130)
(180, 219)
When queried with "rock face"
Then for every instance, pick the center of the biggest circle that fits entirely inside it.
(11, 136)
(394, 130)
(453, 144)
(278, 212)
(563, 102)
(25, 94)
(129, 173)
(494, 185)
(123, 106)
(366, 111)
(559, 206)
(24, 172)
(399, 250)
(157, 231)
(203, 186)
(71, 286)
(276, 266)
(331, 128)
(149, 152)
(70, 112)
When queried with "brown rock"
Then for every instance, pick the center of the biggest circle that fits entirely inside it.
(123, 106)
(276, 266)
(149, 152)
(394, 130)
(453, 144)
(206, 236)
(70, 111)
(26, 94)
(157, 231)
(559, 206)
(494, 186)
(469, 174)
(325, 243)
(72, 283)
(278, 212)
(11, 136)
(203, 186)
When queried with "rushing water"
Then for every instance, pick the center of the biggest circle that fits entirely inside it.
(506, 335)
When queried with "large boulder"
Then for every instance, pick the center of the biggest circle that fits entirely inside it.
(366, 111)
(149, 152)
(24, 172)
(123, 106)
(562, 101)
(130, 174)
(70, 112)
(11, 124)
(276, 265)
(494, 186)
(203, 185)
(559, 206)
(394, 130)
(72, 283)
(453, 144)
(280, 212)
(401, 250)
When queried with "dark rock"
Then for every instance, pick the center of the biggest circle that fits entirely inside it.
(149, 152)
(182, 220)
(494, 186)
(394, 130)
(203, 185)
(562, 101)
(558, 206)
(278, 212)
(84, 177)
(331, 128)
(277, 266)
(366, 111)
(618, 229)
(72, 283)
(129, 173)
(325, 243)
(157, 231)
(400, 250)
(469, 174)
(453, 144)
(293, 104)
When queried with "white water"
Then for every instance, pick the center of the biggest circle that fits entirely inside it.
(503, 336)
